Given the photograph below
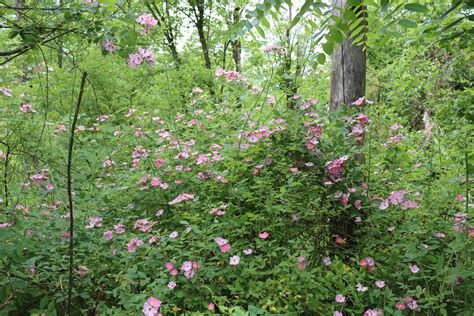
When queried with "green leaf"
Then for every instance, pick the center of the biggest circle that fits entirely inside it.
(321, 58)
(265, 22)
(328, 47)
(6, 233)
(304, 8)
(416, 7)
(129, 36)
(371, 3)
(407, 23)
(44, 302)
(294, 22)
(110, 4)
(337, 36)
(260, 31)
(349, 15)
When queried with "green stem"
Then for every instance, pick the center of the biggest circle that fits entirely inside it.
(69, 192)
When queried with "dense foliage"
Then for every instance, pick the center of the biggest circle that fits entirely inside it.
(232, 189)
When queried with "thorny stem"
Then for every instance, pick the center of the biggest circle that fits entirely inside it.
(69, 192)
(467, 180)
(369, 159)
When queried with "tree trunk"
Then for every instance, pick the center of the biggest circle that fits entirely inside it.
(197, 7)
(237, 45)
(60, 46)
(170, 36)
(19, 5)
(348, 69)
(204, 46)
(164, 19)
(289, 80)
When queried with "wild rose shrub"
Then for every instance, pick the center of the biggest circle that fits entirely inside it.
(233, 203)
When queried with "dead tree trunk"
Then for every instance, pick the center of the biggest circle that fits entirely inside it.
(348, 68)
(237, 44)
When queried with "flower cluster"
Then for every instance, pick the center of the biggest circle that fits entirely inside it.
(223, 244)
(139, 152)
(119, 228)
(261, 133)
(398, 198)
(171, 268)
(108, 235)
(411, 303)
(335, 168)
(414, 268)
(108, 163)
(155, 181)
(151, 306)
(361, 288)
(189, 268)
(367, 262)
(460, 220)
(393, 140)
(218, 211)
(234, 260)
(38, 178)
(147, 21)
(302, 263)
(359, 127)
(109, 46)
(94, 222)
(340, 298)
(327, 261)
(275, 48)
(314, 132)
(308, 104)
(361, 101)
(182, 197)
(133, 244)
(373, 312)
(142, 54)
(144, 225)
(230, 75)
(6, 92)
(27, 107)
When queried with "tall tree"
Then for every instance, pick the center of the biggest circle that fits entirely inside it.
(60, 47)
(197, 15)
(162, 13)
(348, 63)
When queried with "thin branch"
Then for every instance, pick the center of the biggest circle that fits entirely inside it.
(5, 173)
(69, 192)
(60, 7)
(47, 93)
(13, 52)
(20, 51)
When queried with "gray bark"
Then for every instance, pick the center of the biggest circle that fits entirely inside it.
(348, 70)
(237, 45)
(198, 10)
(19, 5)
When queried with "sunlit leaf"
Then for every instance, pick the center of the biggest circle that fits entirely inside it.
(407, 23)
(416, 7)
